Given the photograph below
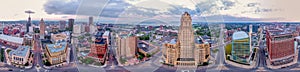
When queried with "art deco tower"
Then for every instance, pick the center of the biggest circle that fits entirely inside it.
(186, 51)
(186, 38)
(42, 29)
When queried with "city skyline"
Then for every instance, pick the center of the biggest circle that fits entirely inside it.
(149, 36)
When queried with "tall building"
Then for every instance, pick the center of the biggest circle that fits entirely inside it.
(77, 30)
(28, 24)
(42, 29)
(240, 47)
(62, 25)
(86, 28)
(185, 51)
(70, 25)
(281, 46)
(186, 38)
(91, 21)
(99, 50)
(93, 29)
(106, 35)
(127, 45)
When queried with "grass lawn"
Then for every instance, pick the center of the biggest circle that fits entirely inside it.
(88, 60)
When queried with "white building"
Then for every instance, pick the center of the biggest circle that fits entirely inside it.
(76, 30)
(106, 35)
(20, 55)
(93, 29)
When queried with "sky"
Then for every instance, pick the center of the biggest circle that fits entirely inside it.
(162, 11)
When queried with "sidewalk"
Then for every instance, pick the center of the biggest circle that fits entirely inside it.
(295, 61)
(241, 65)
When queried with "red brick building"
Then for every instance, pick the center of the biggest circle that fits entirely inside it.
(280, 44)
(99, 50)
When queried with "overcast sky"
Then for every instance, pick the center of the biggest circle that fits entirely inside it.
(167, 11)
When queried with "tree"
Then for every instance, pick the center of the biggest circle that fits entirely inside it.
(26, 64)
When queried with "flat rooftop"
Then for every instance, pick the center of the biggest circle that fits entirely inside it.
(59, 36)
(173, 41)
(239, 35)
(11, 39)
(57, 47)
(279, 31)
(20, 51)
(106, 33)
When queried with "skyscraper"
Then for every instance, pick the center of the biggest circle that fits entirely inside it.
(28, 24)
(186, 51)
(42, 29)
(186, 37)
(62, 25)
(70, 25)
(90, 20)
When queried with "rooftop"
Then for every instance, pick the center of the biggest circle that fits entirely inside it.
(20, 51)
(173, 41)
(59, 36)
(106, 33)
(239, 35)
(11, 39)
(198, 40)
(57, 47)
(279, 31)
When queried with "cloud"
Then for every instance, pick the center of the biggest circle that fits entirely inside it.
(147, 9)
(61, 7)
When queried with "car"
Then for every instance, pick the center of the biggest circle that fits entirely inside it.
(10, 69)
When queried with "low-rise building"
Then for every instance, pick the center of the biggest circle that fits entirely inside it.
(20, 55)
(61, 37)
(11, 40)
(57, 53)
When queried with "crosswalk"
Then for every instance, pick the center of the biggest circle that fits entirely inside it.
(261, 69)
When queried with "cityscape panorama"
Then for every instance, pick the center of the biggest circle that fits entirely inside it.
(149, 36)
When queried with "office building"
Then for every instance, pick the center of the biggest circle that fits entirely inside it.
(57, 38)
(57, 53)
(281, 45)
(62, 25)
(70, 25)
(186, 51)
(126, 45)
(20, 55)
(240, 47)
(99, 50)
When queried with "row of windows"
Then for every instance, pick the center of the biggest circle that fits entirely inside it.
(19, 59)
